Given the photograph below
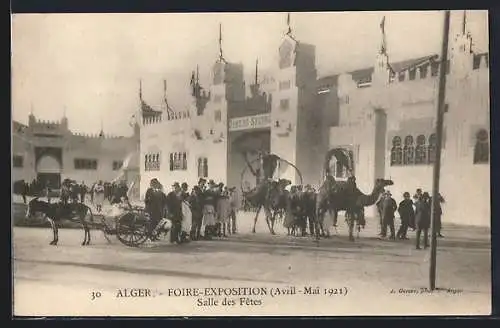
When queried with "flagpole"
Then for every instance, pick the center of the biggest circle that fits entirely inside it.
(439, 136)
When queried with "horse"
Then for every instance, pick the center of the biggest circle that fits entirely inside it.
(56, 212)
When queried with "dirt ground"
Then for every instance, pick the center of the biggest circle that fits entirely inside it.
(367, 277)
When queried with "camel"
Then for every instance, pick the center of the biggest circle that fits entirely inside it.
(270, 196)
(345, 196)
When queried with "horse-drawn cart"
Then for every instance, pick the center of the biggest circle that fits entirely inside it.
(132, 227)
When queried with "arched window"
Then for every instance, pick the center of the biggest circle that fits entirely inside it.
(184, 161)
(482, 148)
(420, 150)
(205, 167)
(396, 151)
(408, 151)
(431, 150)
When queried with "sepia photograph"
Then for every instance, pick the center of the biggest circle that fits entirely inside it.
(251, 164)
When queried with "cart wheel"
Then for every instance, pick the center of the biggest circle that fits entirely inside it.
(131, 229)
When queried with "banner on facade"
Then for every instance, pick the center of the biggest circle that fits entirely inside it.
(250, 122)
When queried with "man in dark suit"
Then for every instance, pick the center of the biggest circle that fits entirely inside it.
(155, 201)
(423, 219)
(389, 206)
(406, 214)
(174, 206)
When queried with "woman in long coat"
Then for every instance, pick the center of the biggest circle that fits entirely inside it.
(423, 219)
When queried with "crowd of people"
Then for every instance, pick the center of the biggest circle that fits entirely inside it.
(213, 208)
(71, 191)
(414, 213)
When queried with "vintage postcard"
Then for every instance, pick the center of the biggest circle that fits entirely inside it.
(251, 164)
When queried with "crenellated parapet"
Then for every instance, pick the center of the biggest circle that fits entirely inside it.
(426, 68)
(166, 117)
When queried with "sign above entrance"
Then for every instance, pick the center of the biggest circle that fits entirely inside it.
(250, 122)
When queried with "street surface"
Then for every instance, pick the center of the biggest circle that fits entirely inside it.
(63, 279)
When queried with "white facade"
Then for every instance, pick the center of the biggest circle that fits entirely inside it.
(49, 150)
(363, 111)
(408, 108)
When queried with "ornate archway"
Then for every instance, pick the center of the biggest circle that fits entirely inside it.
(245, 147)
(48, 171)
(339, 162)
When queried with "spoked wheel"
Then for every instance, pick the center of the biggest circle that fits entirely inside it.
(131, 229)
(107, 230)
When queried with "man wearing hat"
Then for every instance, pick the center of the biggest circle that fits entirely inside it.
(174, 205)
(406, 214)
(196, 203)
(184, 191)
(389, 206)
(423, 219)
(235, 205)
(155, 201)
(202, 184)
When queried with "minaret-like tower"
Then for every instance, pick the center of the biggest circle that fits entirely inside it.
(294, 123)
(382, 69)
(461, 54)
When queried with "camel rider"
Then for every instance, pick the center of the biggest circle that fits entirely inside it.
(65, 192)
(269, 164)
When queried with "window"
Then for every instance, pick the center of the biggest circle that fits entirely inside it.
(284, 104)
(18, 161)
(431, 151)
(284, 85)
(202, 167)
(85, 164)
(217, 115)
(392, 76)
(151, 162)
(423, 71)
(413, 73)
(401, 76)
(117, 165)
(476, 61)
(396, 151)
(408, 151)
(178, 161)
(420, 150)
(482, 148)
(434, 68)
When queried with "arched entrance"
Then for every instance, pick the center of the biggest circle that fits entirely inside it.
(243, 153)
(49, 171)
(339, 162)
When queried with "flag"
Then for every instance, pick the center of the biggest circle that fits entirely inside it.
(383, 47)
(126, 163)
(133, 120)
(191, 83)
(288, 23)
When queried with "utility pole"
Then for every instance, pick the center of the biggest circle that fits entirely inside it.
(439, 138)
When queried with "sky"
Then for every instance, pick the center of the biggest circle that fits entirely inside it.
(88, 66)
